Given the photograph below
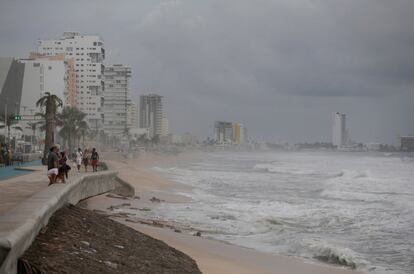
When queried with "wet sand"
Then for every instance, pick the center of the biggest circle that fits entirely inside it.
(211, 256)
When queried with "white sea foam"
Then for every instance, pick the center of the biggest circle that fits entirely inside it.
(332, 254)
(356, 208)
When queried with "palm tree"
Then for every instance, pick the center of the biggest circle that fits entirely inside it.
(41, 124)
(73, 124)
(10, 122)
(51, 103)
(82, 130)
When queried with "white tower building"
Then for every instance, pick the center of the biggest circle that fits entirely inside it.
(151, 114)
(339, 131)
(88, 54)
(117, 99)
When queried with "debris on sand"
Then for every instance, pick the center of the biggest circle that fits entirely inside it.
(82, 241)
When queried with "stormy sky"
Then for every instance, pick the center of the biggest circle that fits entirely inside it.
(281, 67)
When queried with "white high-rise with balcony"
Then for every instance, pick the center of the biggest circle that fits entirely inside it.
(88, 54)
(117, 102)
(339, 132)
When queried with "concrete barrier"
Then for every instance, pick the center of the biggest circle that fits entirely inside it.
(20, 226)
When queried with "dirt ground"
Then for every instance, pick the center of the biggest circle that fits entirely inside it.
(81, 241)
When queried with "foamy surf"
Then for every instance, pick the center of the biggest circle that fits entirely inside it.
(357, 209)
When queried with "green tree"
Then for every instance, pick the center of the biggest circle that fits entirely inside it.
(51, 103)
(73, 126)
(10, 121)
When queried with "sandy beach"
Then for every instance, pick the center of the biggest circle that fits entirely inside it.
(211, 256)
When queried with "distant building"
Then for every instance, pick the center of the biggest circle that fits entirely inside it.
(223, 132)
(407, 143)
(11, 84)
(151, 114)
(86, 53)
(339, 131)
(116, 99)
(24, 81)
(239, 133)
(50, 68)
(132, 115)
(164, 127)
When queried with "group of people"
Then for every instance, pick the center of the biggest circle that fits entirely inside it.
(57, 165)
(87, 157)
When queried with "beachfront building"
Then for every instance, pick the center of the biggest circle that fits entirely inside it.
(24, 81)
(117, 99)
(164, 127)
(407, 143)
(223, 132)
(239, 133)
(339, 131)
(151, 114)
(132, 115)
(86, 53)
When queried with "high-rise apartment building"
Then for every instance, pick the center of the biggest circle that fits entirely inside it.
(24, 81)
(132, 115)
(239, 133)
(229, 133)
(339, 131)
(164, 127)
(116, 99)
(86, 53)
(223, 132)
(151, 114)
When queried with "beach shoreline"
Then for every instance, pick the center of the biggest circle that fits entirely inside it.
(212, 256)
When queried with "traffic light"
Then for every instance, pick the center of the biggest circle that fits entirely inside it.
(17, 117)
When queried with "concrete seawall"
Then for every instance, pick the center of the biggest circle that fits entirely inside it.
(20, 226)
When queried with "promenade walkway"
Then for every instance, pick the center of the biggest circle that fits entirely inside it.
(27, 203)
(17, 189)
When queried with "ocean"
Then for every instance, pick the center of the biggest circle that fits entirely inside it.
(351, 209)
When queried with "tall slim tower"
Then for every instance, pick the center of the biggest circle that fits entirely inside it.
(117, 99)
(339, 131)
(87, 53)
(151, 114)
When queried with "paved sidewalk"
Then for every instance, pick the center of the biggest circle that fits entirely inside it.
(17, 189)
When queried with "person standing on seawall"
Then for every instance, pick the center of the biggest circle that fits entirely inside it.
(79, 156)
(52, 164)
(94, 159)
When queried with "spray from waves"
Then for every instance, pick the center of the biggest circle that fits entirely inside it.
(333, 254)
(274, 168)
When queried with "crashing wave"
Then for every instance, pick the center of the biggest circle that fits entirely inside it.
(332, 254)
(270, 168)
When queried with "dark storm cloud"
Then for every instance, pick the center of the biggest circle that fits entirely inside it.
(281, 67)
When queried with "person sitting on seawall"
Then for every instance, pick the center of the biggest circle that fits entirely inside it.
(53, 164)
(94, 159)
(63, 167)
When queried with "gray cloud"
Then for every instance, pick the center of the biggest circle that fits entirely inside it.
(279, 66)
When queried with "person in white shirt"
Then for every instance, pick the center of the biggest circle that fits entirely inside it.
(79, 156)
